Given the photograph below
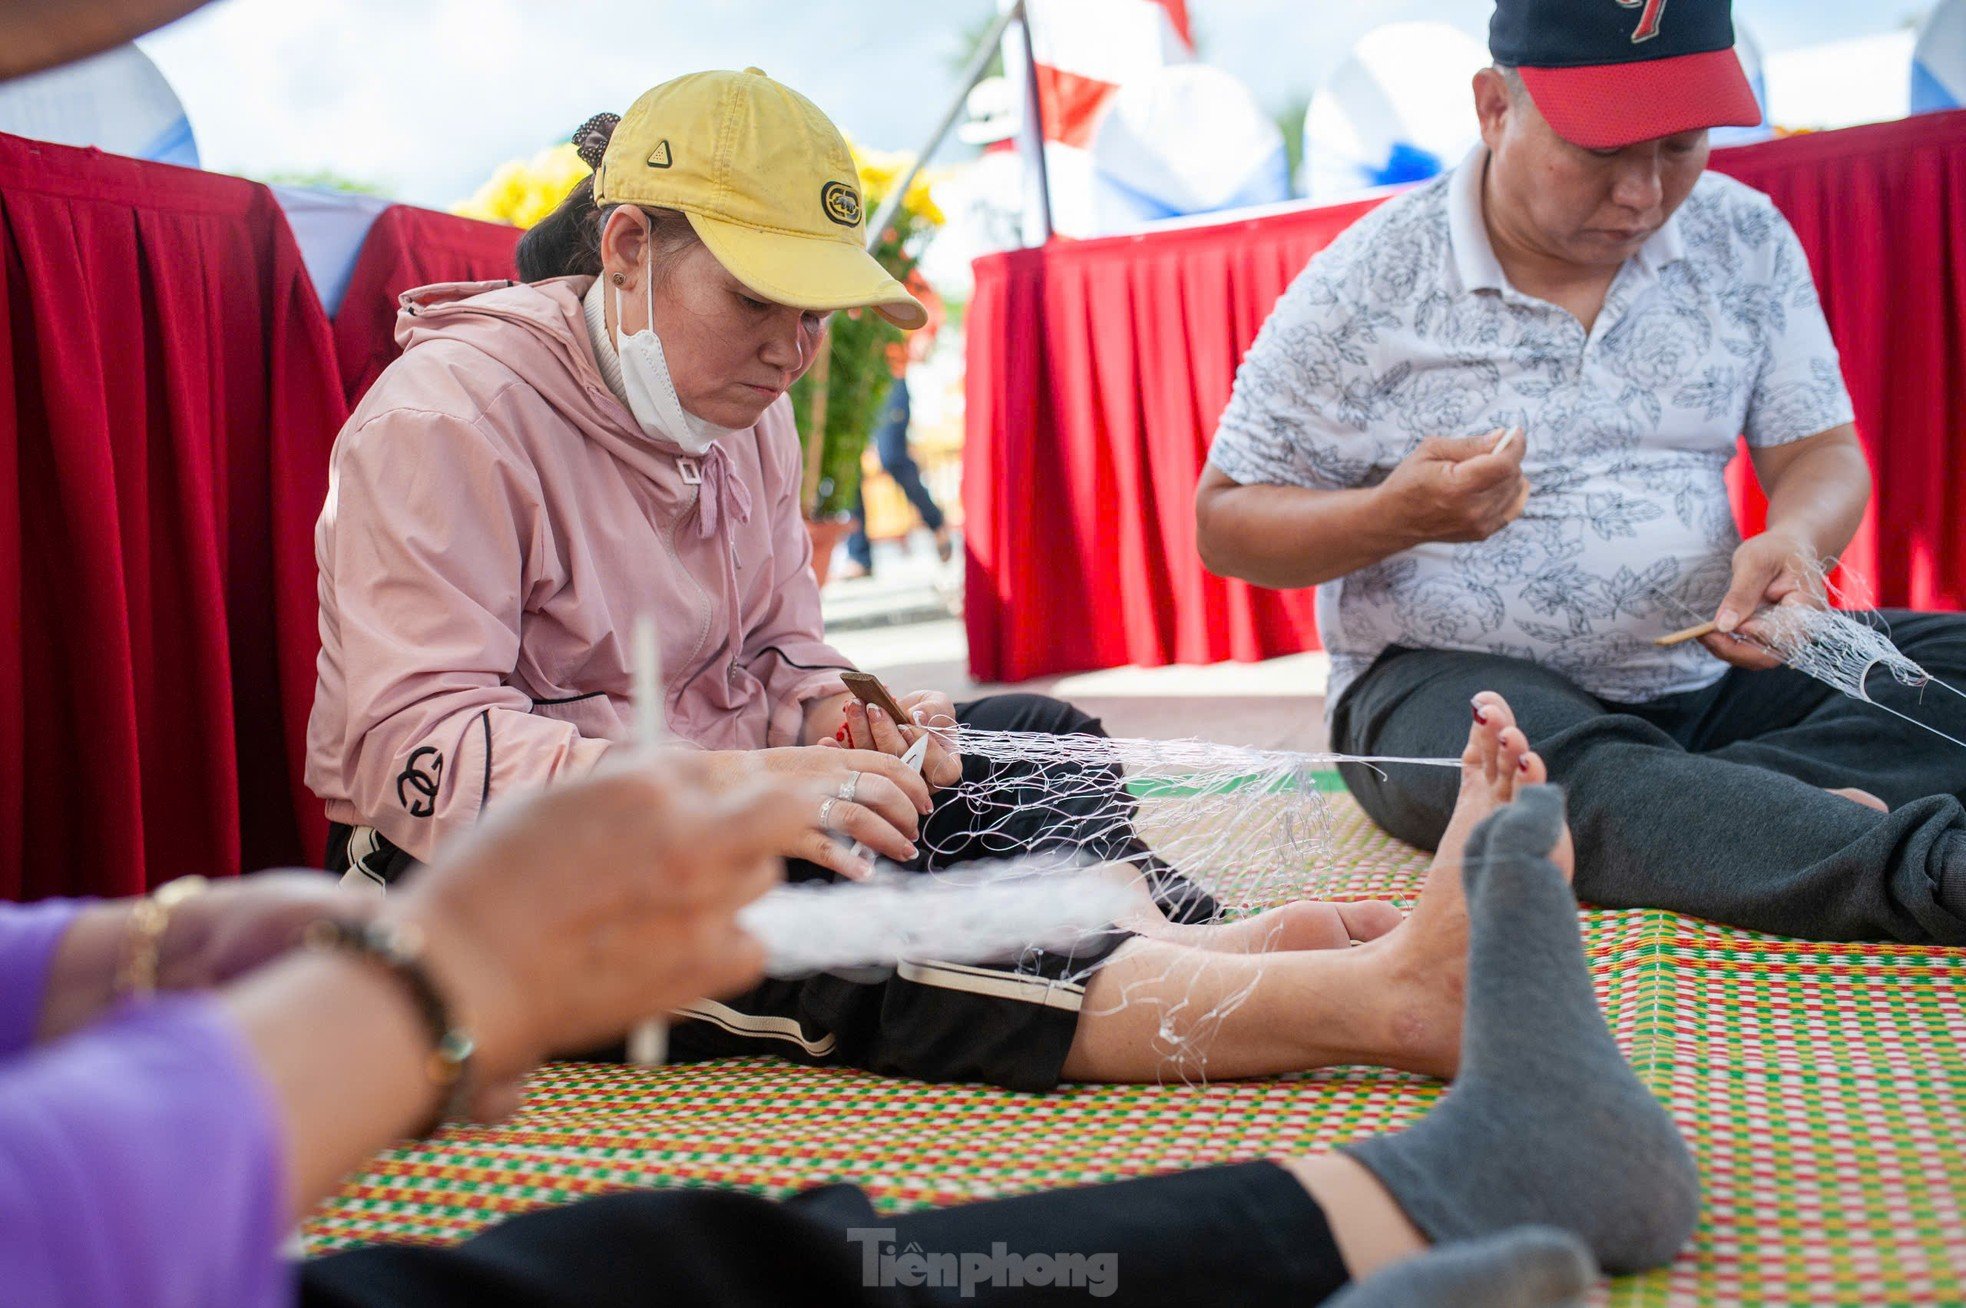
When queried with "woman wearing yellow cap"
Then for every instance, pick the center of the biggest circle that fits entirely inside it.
(548, 463)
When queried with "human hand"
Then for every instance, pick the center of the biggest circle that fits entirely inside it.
(865, 795)
(1772, 568)
(1460, 489)
(238, 924)
(571, 915)
(869, 727)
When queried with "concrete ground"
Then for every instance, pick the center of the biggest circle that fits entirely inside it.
(899, 624)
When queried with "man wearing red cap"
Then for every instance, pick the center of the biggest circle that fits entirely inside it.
(1490, 423)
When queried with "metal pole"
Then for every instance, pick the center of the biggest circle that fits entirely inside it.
(1033, 133)
(985, 51)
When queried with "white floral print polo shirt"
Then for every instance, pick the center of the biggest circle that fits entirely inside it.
(1405, 327)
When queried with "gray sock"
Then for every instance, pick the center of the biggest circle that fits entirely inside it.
(1529, 1267)
(1546, 1125)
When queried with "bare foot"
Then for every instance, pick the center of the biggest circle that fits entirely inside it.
(1426, 958)
(1496, 763)
(1863, 797)
(1306, 924)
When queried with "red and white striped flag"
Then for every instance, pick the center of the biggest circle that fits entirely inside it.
(1083, 52)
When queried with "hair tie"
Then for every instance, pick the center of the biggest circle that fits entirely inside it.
(600, 125)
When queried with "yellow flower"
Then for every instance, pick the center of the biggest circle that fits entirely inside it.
(523, 191)
(920, 201)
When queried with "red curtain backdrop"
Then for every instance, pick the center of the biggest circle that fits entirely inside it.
(1097, 371)
(406, 248)
(1882, 213)
(168, 395)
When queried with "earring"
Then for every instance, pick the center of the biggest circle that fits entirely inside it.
(617, 278)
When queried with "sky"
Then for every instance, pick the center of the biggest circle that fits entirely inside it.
(426, 97)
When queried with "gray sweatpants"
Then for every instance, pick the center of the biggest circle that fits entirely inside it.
(1713, 802)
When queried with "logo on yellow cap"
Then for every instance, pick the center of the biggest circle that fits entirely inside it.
(659, 157)
(841, 203)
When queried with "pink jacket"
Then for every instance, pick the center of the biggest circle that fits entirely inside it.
(495, 523)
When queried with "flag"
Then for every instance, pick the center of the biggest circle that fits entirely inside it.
(1082, 52)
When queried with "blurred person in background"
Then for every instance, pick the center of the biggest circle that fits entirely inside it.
(891, 442)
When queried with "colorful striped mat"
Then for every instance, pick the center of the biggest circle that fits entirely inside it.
(1823, 1088)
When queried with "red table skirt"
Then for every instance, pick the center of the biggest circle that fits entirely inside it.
(168, 396)
(409, 247)
(169, 393)
(1098, 369)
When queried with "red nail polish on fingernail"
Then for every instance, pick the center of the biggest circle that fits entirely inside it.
(1480, 717)
(1523, 763)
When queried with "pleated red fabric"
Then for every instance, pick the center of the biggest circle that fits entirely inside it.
(409, 247)
(168, 396)
(1098, 369)
(1881, 212)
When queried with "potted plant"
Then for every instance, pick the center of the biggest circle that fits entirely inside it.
(838, 401)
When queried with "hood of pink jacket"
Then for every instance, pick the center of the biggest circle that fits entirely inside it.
(496, 523)
(549, 348)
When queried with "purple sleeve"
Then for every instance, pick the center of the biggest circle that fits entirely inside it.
(140, 1165)
(29, 935)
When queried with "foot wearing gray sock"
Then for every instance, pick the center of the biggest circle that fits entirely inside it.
(1529, 1267)
(1546, 1125)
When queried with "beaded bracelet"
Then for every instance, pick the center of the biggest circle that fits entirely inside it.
(398, 948)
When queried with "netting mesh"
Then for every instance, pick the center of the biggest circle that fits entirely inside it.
(1835, 648)
(982, 913)
(1844, 647)
(1050, 842)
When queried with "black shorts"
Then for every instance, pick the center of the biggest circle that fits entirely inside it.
(1009, 1025)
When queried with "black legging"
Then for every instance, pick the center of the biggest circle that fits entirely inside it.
(1247, 1234)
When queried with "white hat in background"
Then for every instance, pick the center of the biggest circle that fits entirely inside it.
(1400, 108)
(996, 112)
(117, 101)
(1187, 139)
(1938, 61)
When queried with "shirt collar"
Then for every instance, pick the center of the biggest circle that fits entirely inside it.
(1472, 257)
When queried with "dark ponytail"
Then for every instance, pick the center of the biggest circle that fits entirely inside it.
(567, 242)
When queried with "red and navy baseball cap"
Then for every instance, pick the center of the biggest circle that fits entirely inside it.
(1611, 73)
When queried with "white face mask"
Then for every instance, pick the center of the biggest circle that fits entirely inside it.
(651, 393)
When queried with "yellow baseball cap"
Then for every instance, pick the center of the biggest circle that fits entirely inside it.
(766, 180)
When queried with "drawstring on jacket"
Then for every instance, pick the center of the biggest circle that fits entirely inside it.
(724, 498)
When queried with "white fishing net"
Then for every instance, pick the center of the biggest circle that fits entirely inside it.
(1054, 842)
(1844, 647)
(981, 913)
(1835, 648)
(1050, 849)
